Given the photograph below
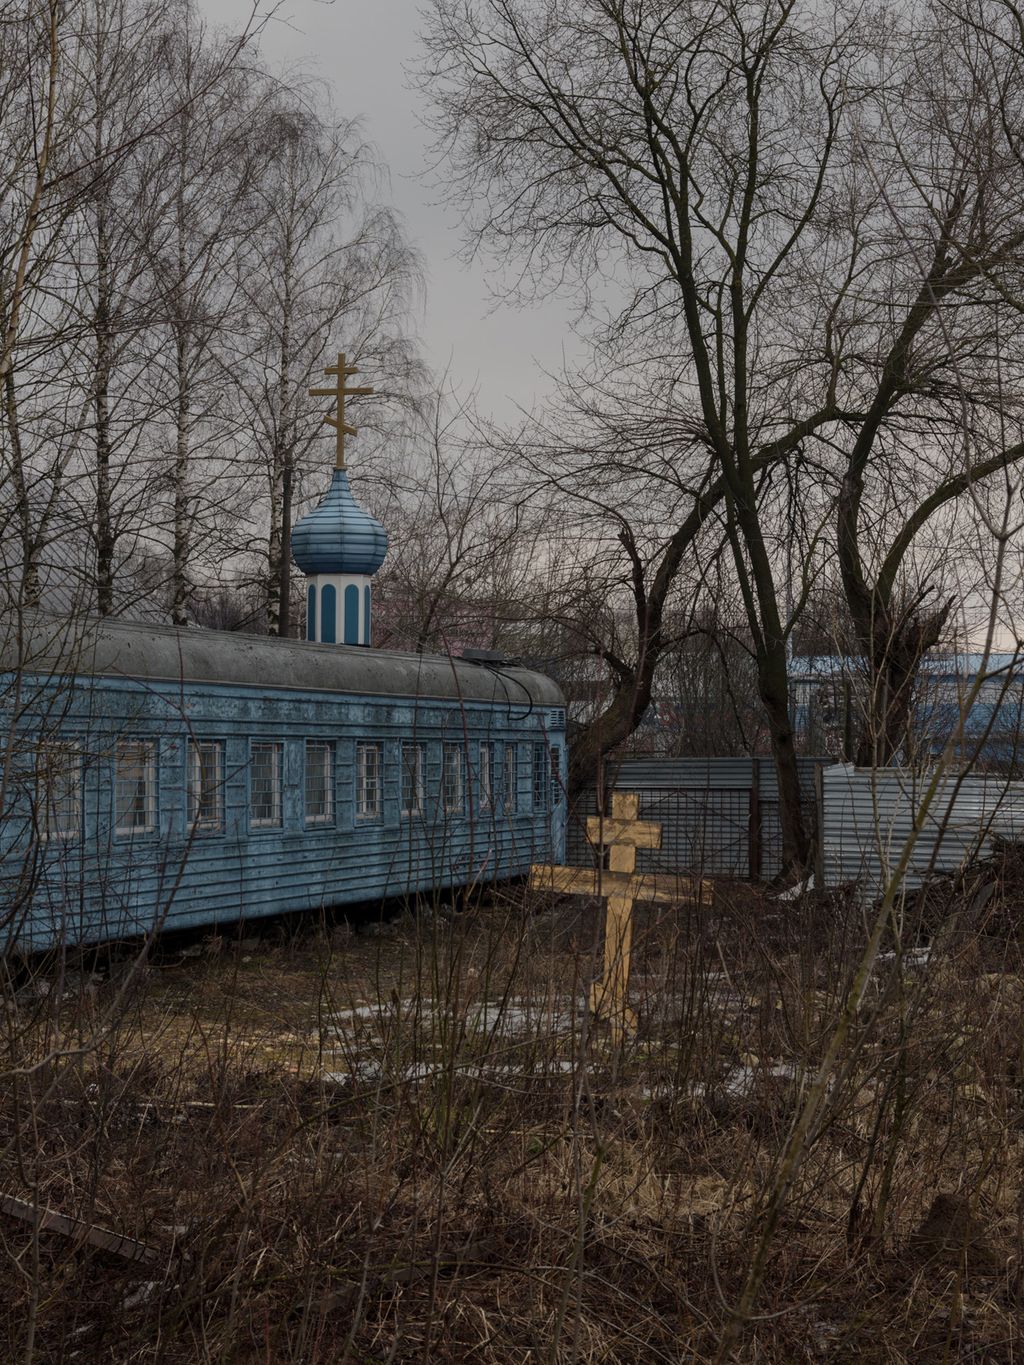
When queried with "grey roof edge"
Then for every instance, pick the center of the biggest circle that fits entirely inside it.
(36, 643)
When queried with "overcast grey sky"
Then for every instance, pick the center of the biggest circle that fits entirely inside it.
(360, 48)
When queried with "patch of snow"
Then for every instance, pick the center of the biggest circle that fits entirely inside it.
(489, 1016)
(912, 957)
(793, 893)
(142, 1295)
(372, 1072)
(497, 1016)
(740, 1080)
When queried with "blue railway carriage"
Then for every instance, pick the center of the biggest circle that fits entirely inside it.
(157, 778)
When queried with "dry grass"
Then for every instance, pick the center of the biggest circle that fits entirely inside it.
(414, 1146)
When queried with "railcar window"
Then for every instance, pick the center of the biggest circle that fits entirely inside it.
(369, 799)
(58, 791)
(265, 786)
(206, 785)
(452, 782)
(486, 774)
(540, 777)
(319, 782)
(135, 787)
(510, 780)
(413, 764)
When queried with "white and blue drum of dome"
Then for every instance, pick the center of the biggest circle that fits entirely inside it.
(338, 609)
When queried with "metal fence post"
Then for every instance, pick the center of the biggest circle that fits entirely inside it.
(819, 831)
(754, 834)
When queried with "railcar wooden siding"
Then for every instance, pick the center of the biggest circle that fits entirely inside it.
(103, 885)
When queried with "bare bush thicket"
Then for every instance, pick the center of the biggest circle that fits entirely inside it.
(414, 1145)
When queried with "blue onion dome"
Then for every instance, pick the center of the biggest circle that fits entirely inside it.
(339, 537)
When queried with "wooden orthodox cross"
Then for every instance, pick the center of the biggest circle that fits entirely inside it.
(622, 834)
(339, 393)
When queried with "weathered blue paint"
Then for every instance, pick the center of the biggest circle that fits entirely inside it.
(338, 536)
(366, 614)
(311, 612)
(351, 614)
(328, 614)
(103, 885)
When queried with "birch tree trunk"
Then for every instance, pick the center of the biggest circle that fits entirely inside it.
(182, 544)
(278, 548)
(103, 529)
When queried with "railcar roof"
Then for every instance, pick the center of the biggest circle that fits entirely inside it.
(106, 647)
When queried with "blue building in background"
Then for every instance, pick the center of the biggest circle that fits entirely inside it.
(986, 693)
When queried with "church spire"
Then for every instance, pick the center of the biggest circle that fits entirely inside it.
(338, 546)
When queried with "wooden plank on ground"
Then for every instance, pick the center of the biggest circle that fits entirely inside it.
(48, 1220)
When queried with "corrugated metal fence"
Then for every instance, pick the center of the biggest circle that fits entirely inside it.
(868, 817)
(719, 816)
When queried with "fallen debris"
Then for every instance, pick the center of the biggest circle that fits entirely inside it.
(48, 1220)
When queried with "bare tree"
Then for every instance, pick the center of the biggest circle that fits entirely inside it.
(32, 65)
(204, 167)
(615, 133)
(939, 423)
(32, 71)
(464, 546)
(630, 595)
(107, 354)
(81, 110)
(713, 162)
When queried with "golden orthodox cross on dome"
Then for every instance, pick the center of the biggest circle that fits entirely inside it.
(339, 393)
